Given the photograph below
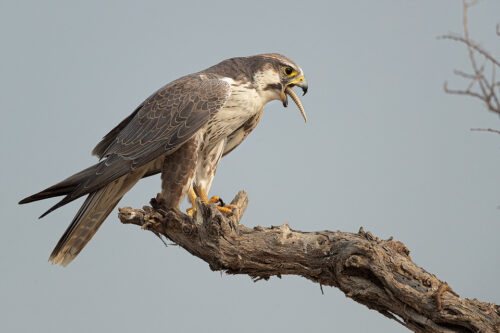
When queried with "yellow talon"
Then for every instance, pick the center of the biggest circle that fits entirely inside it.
(231, 206)
(214, 199)
(192, 197)
(203, 195)
(225, 209)
(228, 209)
(192, 200)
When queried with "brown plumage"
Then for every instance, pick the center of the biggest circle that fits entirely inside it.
(182, 131)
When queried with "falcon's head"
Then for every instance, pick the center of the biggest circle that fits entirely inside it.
(273, 76)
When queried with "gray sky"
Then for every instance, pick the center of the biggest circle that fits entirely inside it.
(385, 148)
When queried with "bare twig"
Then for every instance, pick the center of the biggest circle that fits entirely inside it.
(485, 91)
(485, 130)
(465, 75)
(374, 272)
(473, 45)
(461, 92)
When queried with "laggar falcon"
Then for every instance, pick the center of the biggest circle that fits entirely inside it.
(181, 131)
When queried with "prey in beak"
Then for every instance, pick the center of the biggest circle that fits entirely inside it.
(300, 82)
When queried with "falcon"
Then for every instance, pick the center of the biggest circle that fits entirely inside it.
(181, 131)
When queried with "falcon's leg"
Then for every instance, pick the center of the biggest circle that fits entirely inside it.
(192, 199)
(179, 170)
(205, 173)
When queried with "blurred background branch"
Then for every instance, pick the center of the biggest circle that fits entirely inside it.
(482, 81)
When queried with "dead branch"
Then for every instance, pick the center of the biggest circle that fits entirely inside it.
(482, 86)
(377, 273)
(485, 130)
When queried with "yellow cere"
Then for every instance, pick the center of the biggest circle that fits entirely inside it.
(297, 80)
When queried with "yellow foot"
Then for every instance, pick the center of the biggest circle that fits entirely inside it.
(222, 207)
(228, 209)
(214, 199)
(192, 199)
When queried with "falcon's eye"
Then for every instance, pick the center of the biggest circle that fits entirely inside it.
(288, 70)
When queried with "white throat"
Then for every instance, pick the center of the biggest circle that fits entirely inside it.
(262, 80)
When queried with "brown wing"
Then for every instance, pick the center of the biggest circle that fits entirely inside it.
(159, 126)
(170, 117)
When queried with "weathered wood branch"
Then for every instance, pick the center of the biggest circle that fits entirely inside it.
(377, 273)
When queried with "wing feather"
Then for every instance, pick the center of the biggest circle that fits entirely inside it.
(160, 125)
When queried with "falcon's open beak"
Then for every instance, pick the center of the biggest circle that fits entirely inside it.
(300, 82)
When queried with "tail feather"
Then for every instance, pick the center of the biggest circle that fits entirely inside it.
(84, 182)
(64, 187)
(90, 216)
(65, 200)
(69, 231)
(83, 227)
(104, 188)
